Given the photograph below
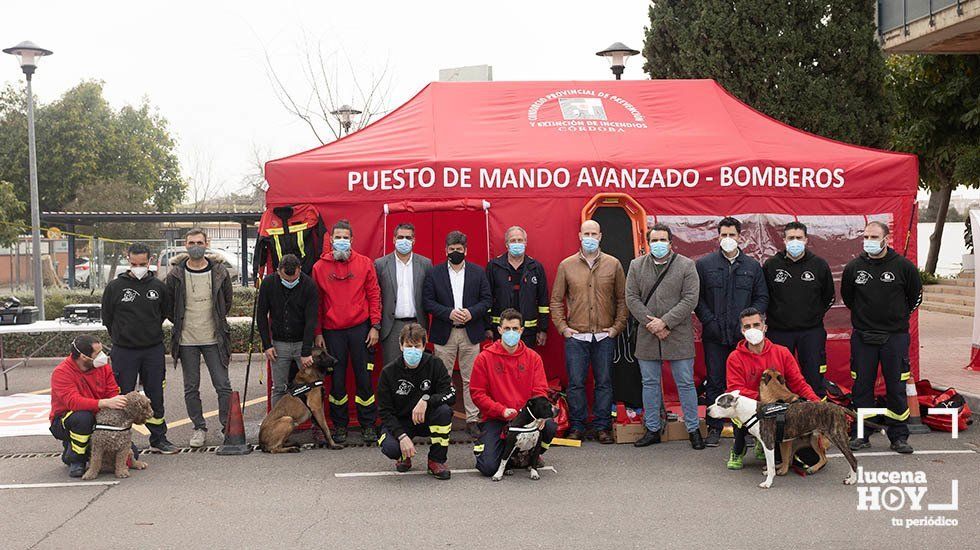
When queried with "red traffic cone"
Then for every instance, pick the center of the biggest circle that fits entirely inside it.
(234, 430)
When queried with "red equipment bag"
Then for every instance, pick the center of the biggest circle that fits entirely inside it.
(947, 399)
(557, 398)
(285, 230)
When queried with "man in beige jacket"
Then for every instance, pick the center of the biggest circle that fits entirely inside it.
(588, 307)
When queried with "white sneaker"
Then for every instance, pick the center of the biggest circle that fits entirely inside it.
(198, 438)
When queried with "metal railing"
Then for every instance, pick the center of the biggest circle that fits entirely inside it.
(898, 14)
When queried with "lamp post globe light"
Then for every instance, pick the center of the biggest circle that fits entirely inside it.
(28, 54)
(617, 54)
(344, 114)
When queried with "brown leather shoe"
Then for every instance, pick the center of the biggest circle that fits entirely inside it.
(439, 471)
(604, 436)
(574, 434)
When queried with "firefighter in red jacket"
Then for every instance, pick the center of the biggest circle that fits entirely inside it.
(505, 375)
(81, 385)
(752, 356)
(350, 321)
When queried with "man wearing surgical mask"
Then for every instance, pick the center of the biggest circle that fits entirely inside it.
(730, 282)
(415, 399)
(801, 291)
(81, 385)
(200, 286)
(286, 315)
(588, 307)
(882, 289)
(752, 356)
(661, 292)
(518, 281)
(134, 306)
(400, 276)
(350, 321)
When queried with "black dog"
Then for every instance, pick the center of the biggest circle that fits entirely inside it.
(521, 449)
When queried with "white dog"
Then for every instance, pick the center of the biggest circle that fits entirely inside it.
(830, 422)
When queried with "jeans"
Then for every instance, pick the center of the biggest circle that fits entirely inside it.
(683, 371)
(286, 354)
(715, 359)
(578, 356)
(190, 362)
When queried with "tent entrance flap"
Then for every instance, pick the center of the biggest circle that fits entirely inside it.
(623, 224)
(433, 220)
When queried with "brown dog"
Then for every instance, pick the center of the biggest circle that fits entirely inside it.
(772, 389)
(291, 411)
(112, 440)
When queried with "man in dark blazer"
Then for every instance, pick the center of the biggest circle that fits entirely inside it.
(457, 294)
(401, 275)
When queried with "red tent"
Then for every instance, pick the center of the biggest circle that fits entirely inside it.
(482, 156)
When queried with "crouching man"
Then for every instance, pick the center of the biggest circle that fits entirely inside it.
(415, 398)
(745, 365)
(505, 376)
(81, 385)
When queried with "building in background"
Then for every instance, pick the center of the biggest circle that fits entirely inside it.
(929, 26)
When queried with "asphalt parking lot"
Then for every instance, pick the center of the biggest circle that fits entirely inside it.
(593, 497)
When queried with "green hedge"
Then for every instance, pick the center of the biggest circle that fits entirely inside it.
(20, 345)
(56, 300)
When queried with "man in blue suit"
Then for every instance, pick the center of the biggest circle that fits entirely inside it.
(457, 295)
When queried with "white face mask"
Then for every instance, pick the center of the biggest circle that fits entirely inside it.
(754, 336)
(729, 244)
(101, 359)
(139, 272)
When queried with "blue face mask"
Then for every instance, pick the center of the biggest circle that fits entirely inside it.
(873, 247)
(412, 356)
(511, 338)
(516, 249)
(590, 244)
(795, 248)
(403, 246)
(289, 284)
(659, 249)
(341, 245)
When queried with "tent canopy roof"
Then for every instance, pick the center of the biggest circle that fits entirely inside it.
(647, 124)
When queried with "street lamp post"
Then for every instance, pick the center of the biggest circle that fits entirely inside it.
(28, 54)
(344, 114)
(617, 54)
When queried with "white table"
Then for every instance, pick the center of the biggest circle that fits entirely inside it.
(56, 327)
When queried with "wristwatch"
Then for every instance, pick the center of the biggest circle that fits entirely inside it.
(425, 397)
(376, 326)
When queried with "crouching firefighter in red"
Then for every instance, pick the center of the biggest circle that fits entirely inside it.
(505, 376)
(81, 385)
(415, 398)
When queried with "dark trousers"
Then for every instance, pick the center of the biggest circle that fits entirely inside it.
(190, 363)
(344, 345)
(738, 445)
(74, 429)
(810, 348)
(149, 366)
(489, 448)
(894, 359)
(715, 360)
(579, 356)
(438, 423)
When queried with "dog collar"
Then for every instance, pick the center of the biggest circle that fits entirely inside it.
(112, 428)
(752, 421)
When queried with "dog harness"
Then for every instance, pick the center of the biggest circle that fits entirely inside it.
(305, 389)
(109, 428)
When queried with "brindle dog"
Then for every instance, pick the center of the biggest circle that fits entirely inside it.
(112, 448)
(772, 389)
(290, 411)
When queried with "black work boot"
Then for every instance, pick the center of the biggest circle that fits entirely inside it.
(649, 438)
(697, 442)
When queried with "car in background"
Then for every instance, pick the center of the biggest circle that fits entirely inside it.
(231, 261)
(83, 272)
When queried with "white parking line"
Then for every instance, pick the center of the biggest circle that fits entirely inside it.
(54, 485)
(917, 452)
(421, 472)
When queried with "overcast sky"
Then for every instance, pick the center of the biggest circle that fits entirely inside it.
(202, 63)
